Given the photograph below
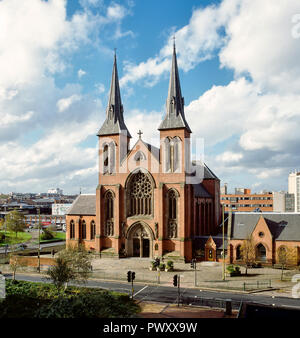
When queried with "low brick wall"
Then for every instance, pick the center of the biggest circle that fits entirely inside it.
(33, 261)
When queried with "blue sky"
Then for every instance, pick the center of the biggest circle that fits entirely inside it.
(239, 71)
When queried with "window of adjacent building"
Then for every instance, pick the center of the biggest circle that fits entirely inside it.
(83, 230)
(72, 229)
(93, 230)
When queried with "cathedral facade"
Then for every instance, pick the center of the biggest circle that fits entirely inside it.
(150, 201)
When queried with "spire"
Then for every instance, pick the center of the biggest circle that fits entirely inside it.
(174, 117)
(114, 122)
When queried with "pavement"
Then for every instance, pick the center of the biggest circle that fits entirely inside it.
(208, 276)
(161, 310)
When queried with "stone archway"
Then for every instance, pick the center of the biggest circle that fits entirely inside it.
(139, 240)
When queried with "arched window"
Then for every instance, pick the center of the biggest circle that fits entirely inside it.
(238, 252)
(105, 159)
(172, 198)
(109, 214)
(176, 153)
(140, 193)
(93, 230)
(112, 157)
(261, 252)
(83, 230)
(167, 161)
(109, 158)
(72, 229)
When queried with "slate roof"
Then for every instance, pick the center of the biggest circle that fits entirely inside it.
(283, 226)
(200, 191)
(174, 117)
(83, 205)
(114, 122)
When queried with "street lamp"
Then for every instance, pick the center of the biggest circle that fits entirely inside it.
(39, 247)
(223, 226)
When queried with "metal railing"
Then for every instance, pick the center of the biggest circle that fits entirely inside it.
(260, 284)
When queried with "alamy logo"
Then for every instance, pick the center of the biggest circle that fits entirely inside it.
(2, 287)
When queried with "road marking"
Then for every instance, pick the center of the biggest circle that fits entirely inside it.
(140, 291)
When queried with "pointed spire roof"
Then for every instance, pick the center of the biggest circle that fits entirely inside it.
(114, 122)
(174, 117)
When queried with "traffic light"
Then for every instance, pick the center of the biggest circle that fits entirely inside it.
(175, 280)
(132, 275)
(129, 276)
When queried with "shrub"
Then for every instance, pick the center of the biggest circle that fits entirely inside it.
(2, 238)
(39, 300)
(47, 234)
(170, 264)
(162, 266)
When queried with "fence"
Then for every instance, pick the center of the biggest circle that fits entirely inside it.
(211, 302)
(258, 285)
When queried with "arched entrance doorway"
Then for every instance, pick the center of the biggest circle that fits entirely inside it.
(261, 254)
(139, 240)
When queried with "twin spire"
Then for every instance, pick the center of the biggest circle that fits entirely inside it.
(174, 118)
(114, 122)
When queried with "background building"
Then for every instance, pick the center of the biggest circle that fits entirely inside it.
(294, 188)
(243, 200)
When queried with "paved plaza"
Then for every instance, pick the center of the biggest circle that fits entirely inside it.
(208, 275)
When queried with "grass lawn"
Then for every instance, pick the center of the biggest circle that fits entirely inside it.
(12, 239)
(58, 236)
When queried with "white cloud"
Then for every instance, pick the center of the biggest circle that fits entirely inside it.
(37, 41)
(81, 73)
(65, 103)
(100, 88)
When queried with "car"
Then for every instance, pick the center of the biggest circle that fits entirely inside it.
(22, 246)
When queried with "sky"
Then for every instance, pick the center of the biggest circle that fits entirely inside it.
(239, 71)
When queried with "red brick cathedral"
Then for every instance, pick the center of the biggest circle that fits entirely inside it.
(149, 201)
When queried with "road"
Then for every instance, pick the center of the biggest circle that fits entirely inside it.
(189, 296)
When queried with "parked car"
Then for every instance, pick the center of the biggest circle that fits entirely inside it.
(22, 246)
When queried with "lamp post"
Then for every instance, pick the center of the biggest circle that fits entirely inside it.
(223, 231)
(39, 247)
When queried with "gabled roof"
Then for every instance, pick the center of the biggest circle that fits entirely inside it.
(283, 226)
(152, 149)
(83, 205)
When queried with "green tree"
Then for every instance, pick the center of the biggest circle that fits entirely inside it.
(248, 254)
(285, 256)
(15, 222)
(72, 264)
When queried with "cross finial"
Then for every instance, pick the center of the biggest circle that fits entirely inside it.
(115, 49)
(140, 134)
(174, 39)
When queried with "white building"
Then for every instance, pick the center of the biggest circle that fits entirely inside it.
(294, 188)
(59, 209)
(55, 191)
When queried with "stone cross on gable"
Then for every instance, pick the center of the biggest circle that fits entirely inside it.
(140, 134)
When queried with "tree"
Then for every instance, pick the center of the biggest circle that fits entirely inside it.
(15, 262)
(15, 222)
(248, 252)
(2, 222)
(285, 256)
(72, 264)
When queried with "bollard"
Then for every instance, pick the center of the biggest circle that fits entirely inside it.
(228, 307)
